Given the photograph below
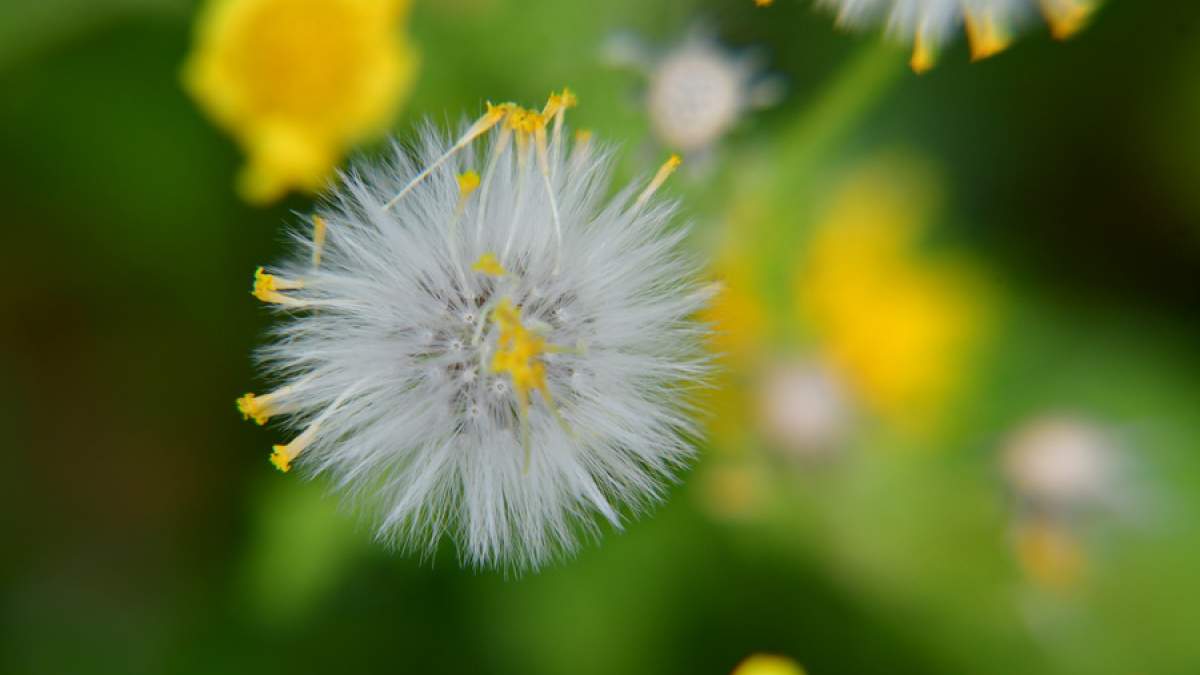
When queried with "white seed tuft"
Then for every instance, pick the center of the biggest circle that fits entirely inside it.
(417, 367)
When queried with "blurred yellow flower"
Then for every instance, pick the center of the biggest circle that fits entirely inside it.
(900, 328)
(738, 316)
(768, 664)
(1050, 556)
(297, 82)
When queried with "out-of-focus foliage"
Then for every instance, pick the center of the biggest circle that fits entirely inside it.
(956, 429)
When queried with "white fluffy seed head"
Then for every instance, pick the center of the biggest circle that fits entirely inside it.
(387, 351)
(696, 94)
(698, 90)
(1061, 464)
(989, 24)
(804, 409)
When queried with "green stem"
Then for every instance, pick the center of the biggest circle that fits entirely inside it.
(840, 107)
(805, 145)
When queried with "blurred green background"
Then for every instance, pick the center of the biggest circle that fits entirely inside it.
(145, 531)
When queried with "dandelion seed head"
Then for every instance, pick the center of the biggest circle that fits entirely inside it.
(989, 24)
(1061, 464)
(804, 409)
(506, 360)
(697, 90)
(696, 95)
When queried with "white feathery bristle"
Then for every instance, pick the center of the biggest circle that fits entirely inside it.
(386, 352)
(935, 20)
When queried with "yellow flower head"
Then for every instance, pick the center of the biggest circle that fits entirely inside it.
(297, 82)
(899, 328)
(1050, 556)
(768, 664)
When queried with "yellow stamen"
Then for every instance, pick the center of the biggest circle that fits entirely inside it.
(668, 167)
(519, 351)
(280, 459)
(1067, 17)
(267, 287)
(583, 136)
(986, 36)
(559, 102)
(488, 264)
(524, 121)
(468, 182)
(494, 114)
(319, 226)
(257, 408)
(557, 107)
(283, 455)
(923, 56)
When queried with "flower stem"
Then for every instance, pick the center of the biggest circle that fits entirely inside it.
(806, 147)
(838, 109)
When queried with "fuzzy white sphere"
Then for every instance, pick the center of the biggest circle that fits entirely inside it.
(697, 93)
(1061, 463)
(804, 409)
(506, 361)
(697, 90)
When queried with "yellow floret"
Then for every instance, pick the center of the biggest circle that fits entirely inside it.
(280, 459)
(255, 408)
(519, 351)
(468, 182)
(267, 287)
(490, 265)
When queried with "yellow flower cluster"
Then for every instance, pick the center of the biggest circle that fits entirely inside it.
(898, 325)
(898, 328)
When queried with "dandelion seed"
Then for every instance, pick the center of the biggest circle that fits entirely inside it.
(504, 358)
(989, 24)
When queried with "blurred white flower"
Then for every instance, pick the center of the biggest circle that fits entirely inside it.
(502, 357)
(803, 409)
(698, 90)
(989, 23)
(1060, 464)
